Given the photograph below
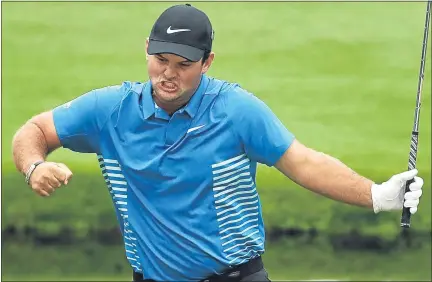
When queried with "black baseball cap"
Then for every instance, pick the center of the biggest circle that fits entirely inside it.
(182, 30)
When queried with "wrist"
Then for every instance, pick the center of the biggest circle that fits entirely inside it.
(25, 166)
(29, 171)
(376, 206)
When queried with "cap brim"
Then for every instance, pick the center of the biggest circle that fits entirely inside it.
(185, 51)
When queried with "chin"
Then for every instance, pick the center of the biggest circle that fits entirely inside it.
(166, 96)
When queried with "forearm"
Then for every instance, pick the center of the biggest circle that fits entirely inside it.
(28, 146)
(328, 176)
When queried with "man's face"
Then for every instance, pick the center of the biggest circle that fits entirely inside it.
(174, 78)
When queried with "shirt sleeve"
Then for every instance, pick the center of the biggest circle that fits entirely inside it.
(79, 121)
(264, 138)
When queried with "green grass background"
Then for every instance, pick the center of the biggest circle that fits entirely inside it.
(341, 76)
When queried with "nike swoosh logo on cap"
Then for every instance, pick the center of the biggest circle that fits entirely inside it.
(169, 30)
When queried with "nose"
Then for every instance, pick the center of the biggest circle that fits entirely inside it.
(169, 73)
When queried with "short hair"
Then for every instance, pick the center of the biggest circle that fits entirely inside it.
(205, 56)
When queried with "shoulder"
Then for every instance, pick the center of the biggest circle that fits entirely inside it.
(108, 99)
(114, 94)
(235, 100)
(226, 89)
(105, 101)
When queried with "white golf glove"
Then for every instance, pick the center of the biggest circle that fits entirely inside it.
(390, 195)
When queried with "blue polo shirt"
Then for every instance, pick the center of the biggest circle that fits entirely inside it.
(183, 186)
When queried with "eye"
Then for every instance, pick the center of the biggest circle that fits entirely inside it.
(185, 65)
(161, 59)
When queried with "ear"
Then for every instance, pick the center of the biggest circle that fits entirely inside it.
(208, 63)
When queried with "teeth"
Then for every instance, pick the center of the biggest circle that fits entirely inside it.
(169, 85)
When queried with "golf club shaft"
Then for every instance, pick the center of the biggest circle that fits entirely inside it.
(406, 214)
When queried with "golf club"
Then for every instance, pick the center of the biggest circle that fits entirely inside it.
(406, 214)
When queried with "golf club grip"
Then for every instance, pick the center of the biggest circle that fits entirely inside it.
(406, 214)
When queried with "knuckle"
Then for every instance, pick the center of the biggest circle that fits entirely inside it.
(420, 181)
(45, 177)
(42, 183)
(40, 192)
(45, 187)
(417, 179)
(48, 191)
(37, 186)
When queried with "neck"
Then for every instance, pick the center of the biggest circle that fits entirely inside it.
(172, 106)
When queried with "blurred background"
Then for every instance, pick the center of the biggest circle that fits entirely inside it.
(341, 76)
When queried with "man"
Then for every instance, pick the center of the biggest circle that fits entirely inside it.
(179, 155)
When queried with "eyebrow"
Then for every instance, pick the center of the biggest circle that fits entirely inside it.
(185, 61)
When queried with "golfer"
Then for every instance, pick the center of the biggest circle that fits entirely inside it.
(179, 155)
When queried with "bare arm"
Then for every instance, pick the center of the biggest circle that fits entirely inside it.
(34, 141)
(325, 175)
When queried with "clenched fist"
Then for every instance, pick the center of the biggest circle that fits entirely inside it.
(49, 176)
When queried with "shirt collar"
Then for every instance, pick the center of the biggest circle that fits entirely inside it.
(148, 105)
(193, 105)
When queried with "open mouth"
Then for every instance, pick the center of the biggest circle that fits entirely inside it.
(168, 86)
